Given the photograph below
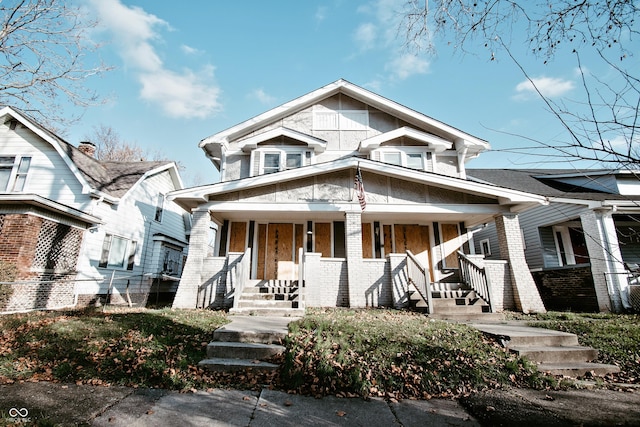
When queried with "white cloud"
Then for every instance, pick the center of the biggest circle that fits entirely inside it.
(183, 94)
(321, 14)
(188, 50)
(549, 87)
(262, 97)
(365, 36)
(407, 65)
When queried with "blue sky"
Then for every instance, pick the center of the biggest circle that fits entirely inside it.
(185, 71)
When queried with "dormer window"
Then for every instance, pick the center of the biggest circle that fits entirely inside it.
(418, 159)
(271, 160)
(13, 173)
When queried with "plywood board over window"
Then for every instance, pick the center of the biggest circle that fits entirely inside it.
(279, 262)
(450, 244)
(367, 243)
(323, 238)
(238, 237)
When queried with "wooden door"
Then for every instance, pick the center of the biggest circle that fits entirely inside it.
(280, 253)
(415, 238)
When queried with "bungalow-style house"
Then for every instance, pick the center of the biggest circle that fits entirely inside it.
(74, 229)
(583, 247)
(348, 199)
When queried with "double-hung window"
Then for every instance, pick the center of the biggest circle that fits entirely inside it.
(118, 252)
(13, 173)
(159, 207)
(413, 159)
(275, 160)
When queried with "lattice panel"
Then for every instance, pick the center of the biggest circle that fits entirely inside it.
(58, 247)
(634, 297)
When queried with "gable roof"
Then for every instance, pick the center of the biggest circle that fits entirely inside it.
(111, 180)
(215, 145)
(558, 184)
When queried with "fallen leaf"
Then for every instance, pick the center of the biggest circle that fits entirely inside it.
(341, 413)
(246, 398)
(150, 411)
(288, 403)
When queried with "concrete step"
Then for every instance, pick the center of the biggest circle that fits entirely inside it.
(468, 317)
(219, 364)
(556, 354)
(261, 303)
(268, 312)
(270, 290)
(242, 350)
(268, 297)
(515, 335)
(578, 369)
(459, 293)
(442, 286)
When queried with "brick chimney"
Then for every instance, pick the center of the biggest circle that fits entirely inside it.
(88, 148)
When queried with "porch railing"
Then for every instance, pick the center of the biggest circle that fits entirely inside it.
(418, 278)
(243, 272)
(476, 278)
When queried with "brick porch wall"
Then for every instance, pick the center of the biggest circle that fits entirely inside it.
(567, 288)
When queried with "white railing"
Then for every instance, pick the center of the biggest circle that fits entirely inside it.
(476, 278)
(243, 272)
(418, 278)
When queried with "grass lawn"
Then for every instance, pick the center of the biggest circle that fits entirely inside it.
(146, 348)
(394, 354)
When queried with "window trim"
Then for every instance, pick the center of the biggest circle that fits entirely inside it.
(258, 155)
(486, 242)
(16, 173)
(128, 256)
(426, 156)
(159, 207)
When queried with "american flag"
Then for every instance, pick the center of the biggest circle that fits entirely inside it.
(359, 186)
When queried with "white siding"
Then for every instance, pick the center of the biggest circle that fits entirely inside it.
(133, 218)
(49, 176)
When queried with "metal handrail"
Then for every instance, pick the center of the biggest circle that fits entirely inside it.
(418, 278)
(475, 277)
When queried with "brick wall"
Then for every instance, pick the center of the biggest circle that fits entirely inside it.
(567, 288)
(326, 283)
(20, 237)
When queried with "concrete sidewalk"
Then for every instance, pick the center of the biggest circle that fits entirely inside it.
(72, 405)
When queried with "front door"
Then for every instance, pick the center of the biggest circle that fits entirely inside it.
(276, 255)
(415, 238)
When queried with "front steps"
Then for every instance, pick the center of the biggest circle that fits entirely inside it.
(270, 298)
(555, 352)
(247, 343)
(452, 301)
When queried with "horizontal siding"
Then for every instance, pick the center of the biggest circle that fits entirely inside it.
(49, 176)
(129, 219)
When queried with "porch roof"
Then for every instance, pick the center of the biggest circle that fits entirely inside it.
(507, 200)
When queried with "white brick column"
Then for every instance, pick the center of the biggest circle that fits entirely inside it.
(187, 293)
(605, 257)
(353, 240)
(525, 292)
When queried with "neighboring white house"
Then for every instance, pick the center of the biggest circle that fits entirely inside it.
(581, 245)
(70, 223)
(289, 213)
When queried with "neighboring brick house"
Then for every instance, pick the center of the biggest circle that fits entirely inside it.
(287, 210)
(580, 245)
(68, 222)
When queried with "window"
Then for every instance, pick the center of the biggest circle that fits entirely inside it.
(415, 159)
(13, 172)
(485, 247)
(171, 261)
(271, 163)
(117, 252)
(159, 207)
(267, 161)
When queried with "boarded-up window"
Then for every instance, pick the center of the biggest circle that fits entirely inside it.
(367, 244)
(323, 238)
(238, 237)
(450, 244)
(262, 248)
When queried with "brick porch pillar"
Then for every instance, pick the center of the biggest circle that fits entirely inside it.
(525, 293)
(605, 257)
(187, 293)
(353, 241)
